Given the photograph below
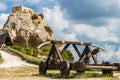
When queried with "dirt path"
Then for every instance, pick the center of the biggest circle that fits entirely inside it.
(12, 61)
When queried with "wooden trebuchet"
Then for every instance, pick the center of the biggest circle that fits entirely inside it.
(55, 60)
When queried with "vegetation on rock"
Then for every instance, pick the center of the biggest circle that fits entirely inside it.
(34, 16)
(41, 15)
(48, 29)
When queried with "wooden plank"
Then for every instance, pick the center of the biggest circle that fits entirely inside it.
(101, 67)
(66, 46)
(76, 49)
(59, 54)
(77, 43)
(70, 42)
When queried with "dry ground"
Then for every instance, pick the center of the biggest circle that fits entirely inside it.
(13, 68)
(31, 73)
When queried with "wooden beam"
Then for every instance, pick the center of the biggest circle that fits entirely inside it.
(59, 54)
(101, 67)
(76, 49)
(70, 42)
(95, 59)
(66, 46)
(77, 43)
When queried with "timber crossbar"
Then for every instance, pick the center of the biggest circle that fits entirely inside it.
(76, 43)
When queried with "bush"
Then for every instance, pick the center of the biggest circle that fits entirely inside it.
(34, 16)
(68, 55)
(45, 50)
(48, 29)
(35, 53)
(41, 15)
(29, 50)
(19, 48)
(26, 57)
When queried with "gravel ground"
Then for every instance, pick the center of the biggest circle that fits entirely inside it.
(12, 61)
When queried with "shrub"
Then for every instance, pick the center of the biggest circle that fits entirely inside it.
(26, 57)
(34, 16)
(41, 15)
(45, 50)
(68, 55)
(29, 50)
(48, 29)
(35, 53)
(19, 48)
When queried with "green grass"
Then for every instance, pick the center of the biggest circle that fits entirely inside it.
(27, 58)
(55, 74)
(1, 60)
(32, 73)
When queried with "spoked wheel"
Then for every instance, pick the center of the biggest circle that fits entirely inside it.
(64, 68)
(42, 68)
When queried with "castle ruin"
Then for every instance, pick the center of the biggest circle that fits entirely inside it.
(22, 9)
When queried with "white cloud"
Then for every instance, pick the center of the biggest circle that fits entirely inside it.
(110, 54)
(59, 24)
(2, 6)
(102, 33)
(3, 18)
(33, 1)
(55, 19)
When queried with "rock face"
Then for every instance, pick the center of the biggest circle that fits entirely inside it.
(26, 28)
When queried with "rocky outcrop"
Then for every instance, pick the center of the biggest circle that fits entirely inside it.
(26, 28)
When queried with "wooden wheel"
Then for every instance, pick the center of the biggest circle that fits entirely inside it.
(79, 67)
(65, 68)
(107, 71)
(42, 68)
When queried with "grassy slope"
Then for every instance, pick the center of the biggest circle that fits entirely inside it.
(1, 60)
(32, 73)
(25, 57)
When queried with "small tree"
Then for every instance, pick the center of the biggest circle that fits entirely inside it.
(41, 15)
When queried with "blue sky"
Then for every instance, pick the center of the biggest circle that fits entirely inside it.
(96, 21)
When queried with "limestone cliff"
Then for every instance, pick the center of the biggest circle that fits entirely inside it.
(26, 28)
